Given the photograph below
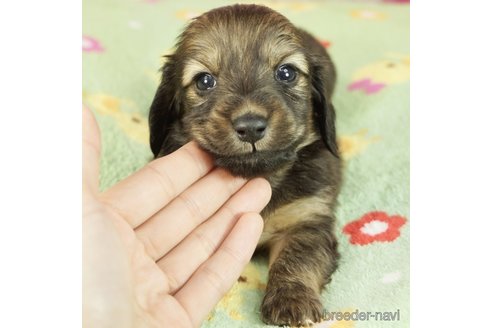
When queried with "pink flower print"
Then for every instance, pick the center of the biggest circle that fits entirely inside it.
(366, 85)
(398, 1)
(89, 44)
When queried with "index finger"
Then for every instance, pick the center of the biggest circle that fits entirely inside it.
(145, 192)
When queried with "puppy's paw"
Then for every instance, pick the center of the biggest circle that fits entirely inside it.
(297, 306)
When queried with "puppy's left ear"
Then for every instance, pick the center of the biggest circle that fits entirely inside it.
(323, 81)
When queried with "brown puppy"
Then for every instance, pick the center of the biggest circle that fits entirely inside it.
(255, 92)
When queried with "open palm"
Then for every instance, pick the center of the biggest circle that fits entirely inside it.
(164, 245)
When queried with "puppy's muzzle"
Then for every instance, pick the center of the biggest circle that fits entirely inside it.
(250, 128)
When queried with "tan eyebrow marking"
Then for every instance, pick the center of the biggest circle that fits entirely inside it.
(297, 59)
(191, 69)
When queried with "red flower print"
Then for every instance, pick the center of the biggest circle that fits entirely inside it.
(324, 43)
(374, 226)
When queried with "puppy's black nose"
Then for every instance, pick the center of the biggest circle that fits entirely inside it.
(250, 128)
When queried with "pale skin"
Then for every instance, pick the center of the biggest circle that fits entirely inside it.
(162, 247)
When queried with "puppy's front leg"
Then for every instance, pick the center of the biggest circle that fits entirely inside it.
(302, 261)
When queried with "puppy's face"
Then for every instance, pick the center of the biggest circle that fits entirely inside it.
(240, 84)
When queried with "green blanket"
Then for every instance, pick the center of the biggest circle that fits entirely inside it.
(123, 44)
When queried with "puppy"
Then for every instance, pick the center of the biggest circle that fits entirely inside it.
(255, 92)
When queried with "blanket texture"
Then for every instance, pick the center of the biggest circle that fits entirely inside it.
(123, 43)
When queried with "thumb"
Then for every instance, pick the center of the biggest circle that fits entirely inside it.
(91, 152)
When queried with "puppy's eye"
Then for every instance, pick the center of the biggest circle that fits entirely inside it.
(205, 81)
(286, 73)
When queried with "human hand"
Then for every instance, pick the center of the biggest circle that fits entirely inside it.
(162, 247)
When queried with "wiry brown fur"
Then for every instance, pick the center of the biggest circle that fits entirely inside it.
(242, 46)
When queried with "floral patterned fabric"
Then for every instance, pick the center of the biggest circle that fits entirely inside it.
(123, 42)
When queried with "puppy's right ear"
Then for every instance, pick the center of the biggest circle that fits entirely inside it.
(164, 109)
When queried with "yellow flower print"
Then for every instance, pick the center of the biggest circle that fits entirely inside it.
(368, 14)
(131, 122)
(351, 145)
(188, 14)
(374, 77)
(250, 280)
(294, 6)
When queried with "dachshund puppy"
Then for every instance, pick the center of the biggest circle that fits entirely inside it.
(255, 92)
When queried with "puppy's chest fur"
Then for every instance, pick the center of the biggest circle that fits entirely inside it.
(302, 192)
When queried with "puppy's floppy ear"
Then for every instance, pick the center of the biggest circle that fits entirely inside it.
(323, 81)
(164, 109)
